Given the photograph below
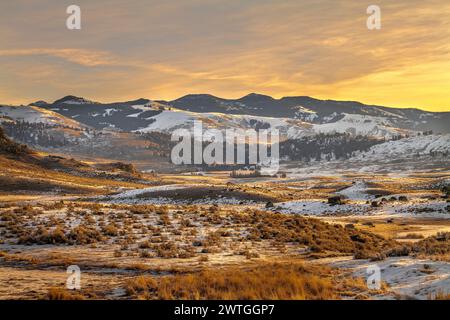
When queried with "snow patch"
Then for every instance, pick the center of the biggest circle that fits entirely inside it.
(318, 207)
(355, 192)
(407, 276)
(136, 192)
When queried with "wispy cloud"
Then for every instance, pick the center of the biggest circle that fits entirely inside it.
(84, 57)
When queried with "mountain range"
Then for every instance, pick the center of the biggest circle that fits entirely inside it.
(299, 114)
(310, 128)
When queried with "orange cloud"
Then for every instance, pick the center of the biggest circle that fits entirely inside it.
(84, 57)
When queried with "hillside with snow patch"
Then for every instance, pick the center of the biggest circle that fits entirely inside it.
(357, 124)
(34, 114)
(169, 120)
(408, 147)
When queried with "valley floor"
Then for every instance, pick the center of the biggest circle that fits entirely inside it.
(177, 236)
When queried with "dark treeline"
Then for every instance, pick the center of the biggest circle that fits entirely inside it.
(160, 143)
(326, 146)
(320, 147)
(34, 134)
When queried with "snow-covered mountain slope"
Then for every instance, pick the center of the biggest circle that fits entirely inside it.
(408, 147)
(34, 114)
(41, 128)
(125, 116)
(362, 125)
(353, 124)
(169, 120)
(313, 110)
(291, 115)
(312, 133)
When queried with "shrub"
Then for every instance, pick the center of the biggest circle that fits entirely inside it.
(164, 220)
(317, 235)
(140, 285)
(110, 230)
(166, 250)
(145, 245)
(145, 254)
(438, 244)
(42, 236)
(142, 209)
(84, 235)
(412, 236)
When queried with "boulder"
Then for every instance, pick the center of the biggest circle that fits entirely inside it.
(334, 200)
(269, 204)
(375, 204)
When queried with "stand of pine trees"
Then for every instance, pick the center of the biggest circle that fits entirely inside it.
(37, 134)
(326, 146)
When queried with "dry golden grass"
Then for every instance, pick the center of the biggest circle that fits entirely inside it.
(413, 236)
(434, 245)
(62, 294)
(291, 281)
(142, 285)
(440, 296)
(15, 175)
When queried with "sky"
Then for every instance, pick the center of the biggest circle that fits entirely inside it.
(164, 49)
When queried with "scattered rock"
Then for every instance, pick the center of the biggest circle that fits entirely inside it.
(269, 204)
(357, 238)
(334, 200)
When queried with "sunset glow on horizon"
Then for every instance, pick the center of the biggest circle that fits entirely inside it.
(163, 50)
